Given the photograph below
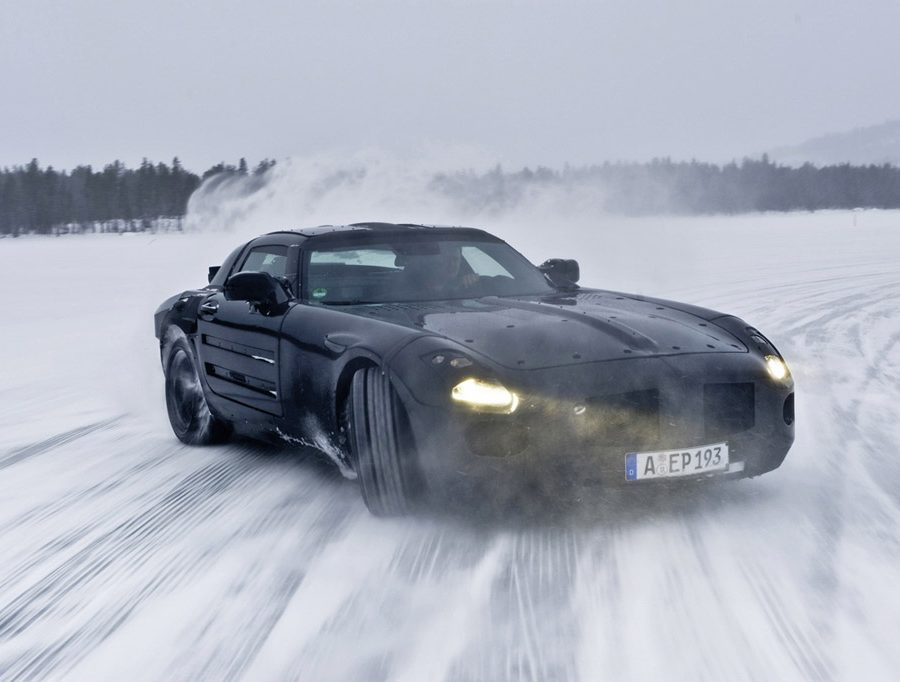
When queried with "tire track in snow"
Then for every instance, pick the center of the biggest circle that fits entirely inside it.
(530, 612)
(118, 551)
(802, 644)
(40, 447)
(67, 503)
(270, 586)
(836, 329)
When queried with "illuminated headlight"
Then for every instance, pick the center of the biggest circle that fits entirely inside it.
(778, 370)
(485, 395)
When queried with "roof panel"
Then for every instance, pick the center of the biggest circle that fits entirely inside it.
(364, 227)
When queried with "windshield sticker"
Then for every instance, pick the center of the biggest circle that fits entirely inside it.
(320, 293)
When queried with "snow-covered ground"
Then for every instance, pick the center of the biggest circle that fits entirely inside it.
(126, 555)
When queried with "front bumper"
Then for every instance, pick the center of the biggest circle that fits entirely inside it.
(576, 424)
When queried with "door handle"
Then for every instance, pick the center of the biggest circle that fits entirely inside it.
(209, 308)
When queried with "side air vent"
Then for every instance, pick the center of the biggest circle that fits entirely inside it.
(253, 383)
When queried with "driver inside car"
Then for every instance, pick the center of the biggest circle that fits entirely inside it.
(442, 272)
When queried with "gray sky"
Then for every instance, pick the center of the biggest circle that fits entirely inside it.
(525, 82)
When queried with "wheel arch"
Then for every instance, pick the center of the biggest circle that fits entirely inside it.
(345, 378)
(204, 426)
(169, 334)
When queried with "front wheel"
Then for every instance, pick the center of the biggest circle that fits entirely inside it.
(380, 444)
(189, 413)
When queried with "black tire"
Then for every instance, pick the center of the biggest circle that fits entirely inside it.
(381, 446)
(189, 413)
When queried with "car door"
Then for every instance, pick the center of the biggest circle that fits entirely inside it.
(238, 345)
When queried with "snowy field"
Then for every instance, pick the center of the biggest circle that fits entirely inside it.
(128, 556)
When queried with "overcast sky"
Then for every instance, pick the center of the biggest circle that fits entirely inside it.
(525, 82)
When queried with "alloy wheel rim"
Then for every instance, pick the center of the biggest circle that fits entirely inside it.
(186, 391)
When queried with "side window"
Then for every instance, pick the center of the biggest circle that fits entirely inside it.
(271, 259)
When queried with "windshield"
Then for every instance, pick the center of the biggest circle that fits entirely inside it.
(416, 269)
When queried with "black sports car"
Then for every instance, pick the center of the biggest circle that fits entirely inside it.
(421, 357)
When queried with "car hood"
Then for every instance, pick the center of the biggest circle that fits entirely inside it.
(550, 331)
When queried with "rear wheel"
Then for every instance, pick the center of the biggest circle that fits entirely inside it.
(189, 413)
(380, 444)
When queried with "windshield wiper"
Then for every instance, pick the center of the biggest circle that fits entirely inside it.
(355, 301)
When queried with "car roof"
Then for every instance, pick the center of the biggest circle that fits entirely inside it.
(372, 228)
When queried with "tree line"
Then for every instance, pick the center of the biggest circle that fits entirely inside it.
(663, 186)
(43, 200)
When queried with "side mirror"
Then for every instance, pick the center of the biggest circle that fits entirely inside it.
(258, 288)
(563, 272)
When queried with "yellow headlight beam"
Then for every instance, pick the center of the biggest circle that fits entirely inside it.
(777, 368)
(484, 395)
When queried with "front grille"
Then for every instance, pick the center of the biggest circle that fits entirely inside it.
(630, 419)
(728, 409)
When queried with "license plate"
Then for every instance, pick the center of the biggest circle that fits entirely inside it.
(672, 463)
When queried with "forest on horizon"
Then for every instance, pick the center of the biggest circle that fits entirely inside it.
(43, 200)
